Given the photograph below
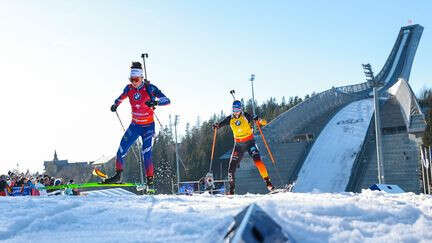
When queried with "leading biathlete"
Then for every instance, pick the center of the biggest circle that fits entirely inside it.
(143, 98)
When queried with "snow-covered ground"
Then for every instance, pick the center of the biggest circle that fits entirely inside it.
(307, 217)
(328, 165)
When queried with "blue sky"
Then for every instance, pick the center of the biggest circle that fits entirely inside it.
(62, 63)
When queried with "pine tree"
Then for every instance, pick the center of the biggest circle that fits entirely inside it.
(425, 102)
(163, 157)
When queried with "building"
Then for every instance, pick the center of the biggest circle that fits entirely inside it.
(62, 168)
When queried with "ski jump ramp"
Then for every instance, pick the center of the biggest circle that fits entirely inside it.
(327, 167)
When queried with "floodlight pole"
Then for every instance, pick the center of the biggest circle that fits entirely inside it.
(380, 158)
(375, 85)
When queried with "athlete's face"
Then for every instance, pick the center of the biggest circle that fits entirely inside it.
(237, 114)
(136, 81)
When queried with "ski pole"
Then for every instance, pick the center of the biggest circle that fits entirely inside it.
(269, 151)
(121, 123)
(265, 142)
(133, 151)
(157, 119)
(144, 56)
(213, 148)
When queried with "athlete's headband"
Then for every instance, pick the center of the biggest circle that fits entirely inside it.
(136, 72)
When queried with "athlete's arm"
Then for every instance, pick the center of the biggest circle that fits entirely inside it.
(248, 117)
(162, 99)
(225, 121)
(123, 96)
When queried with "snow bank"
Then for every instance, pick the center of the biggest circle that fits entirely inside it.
(308, 217)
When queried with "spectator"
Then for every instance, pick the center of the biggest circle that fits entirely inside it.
(3, 186)
(19, 184)
(41, 188)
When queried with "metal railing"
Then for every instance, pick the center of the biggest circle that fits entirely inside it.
(190, 187)
(408, 103)
(283, 127)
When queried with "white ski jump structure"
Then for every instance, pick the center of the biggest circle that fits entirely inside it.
(328, 165)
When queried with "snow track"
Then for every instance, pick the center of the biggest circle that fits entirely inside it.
(307, 217)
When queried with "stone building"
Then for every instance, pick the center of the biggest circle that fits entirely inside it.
(78, 171)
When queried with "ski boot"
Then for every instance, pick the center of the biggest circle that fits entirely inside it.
(230, 191)
(269, 185)
(113, 179)
(150, 185)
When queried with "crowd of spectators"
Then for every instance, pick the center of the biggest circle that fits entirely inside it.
(25, 184)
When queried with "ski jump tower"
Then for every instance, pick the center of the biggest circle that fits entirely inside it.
(327, 142)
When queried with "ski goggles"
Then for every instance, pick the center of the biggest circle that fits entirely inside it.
(134, 79)
(235, 110)
(136, 72)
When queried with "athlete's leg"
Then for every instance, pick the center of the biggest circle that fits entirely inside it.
(254, 153)
(236, 157)
(128, 139)
(147, 138)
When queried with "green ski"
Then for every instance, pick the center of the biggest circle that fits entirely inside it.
(95, 184)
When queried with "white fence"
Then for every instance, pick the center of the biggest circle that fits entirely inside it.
(412, 114)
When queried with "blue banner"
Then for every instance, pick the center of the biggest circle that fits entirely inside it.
(20, 191)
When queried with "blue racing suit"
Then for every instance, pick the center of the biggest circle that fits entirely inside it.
(142, 123)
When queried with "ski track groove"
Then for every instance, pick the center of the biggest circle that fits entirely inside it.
(153, 201)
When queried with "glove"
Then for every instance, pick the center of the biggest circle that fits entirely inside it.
(152, 103)
(215, 126)
(114, 108)
(256, 118)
